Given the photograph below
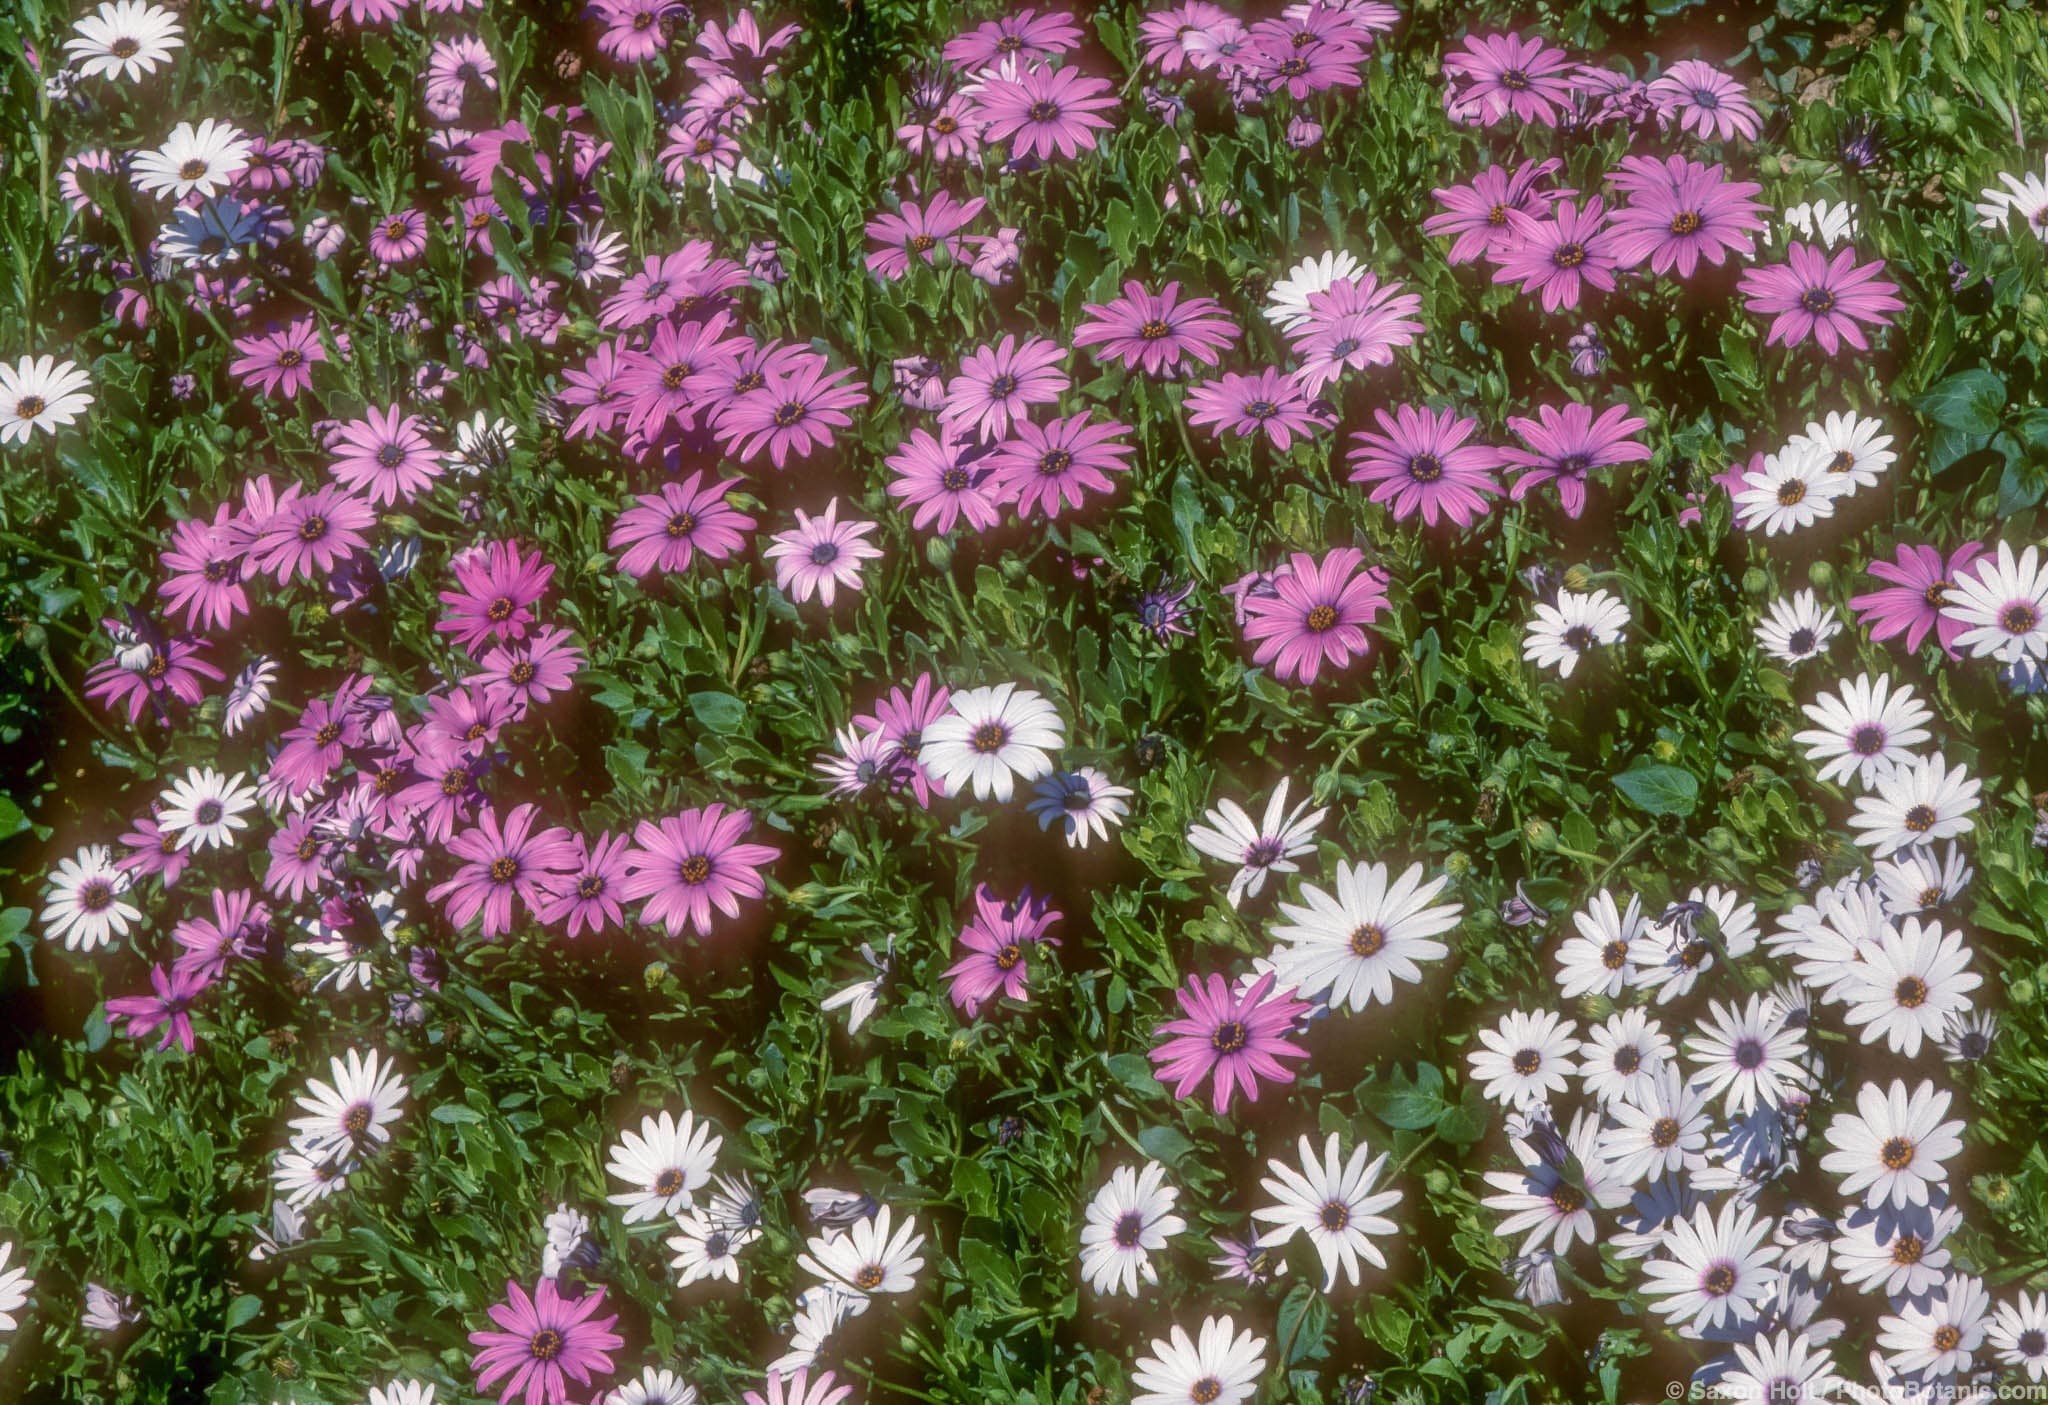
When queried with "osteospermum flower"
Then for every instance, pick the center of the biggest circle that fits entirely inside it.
(1354, 944)
(1128, 1221)
(664, 1165)
(664, 531)
(1042, 112)
(544, 1342)
(1233, 1039)
(820, 554)
(203, 159)
(384, 456)
(1083, 803)
(1316, 615)
(1911, 986)
(1058, 463)
(1332, 1201)
(1891, 1149)
(1565, 446)
(944, 479)
(1269, 846)
(355, 1110)
(996, 384)
(791, 415)
(1497, 76)
(496, 590)
(1354, 323)
(1748, 1055)
(1811, 295)
(1024, 36)
(1269, 403)
(1797, 628)
(1420, 461)
(503, 864)
(1937, 1339)
(1562, 632)
(1917, 802)
(40, 393)
(1683, 213)
(1786, 491)
(1222, 1366)
(993, 944)
(866, 1259)
(1525, 1058)
(1865, 730)
(2025, 196)
(1287, 300)
(990, 738)
(1557, 255)
(14, 1289)
(1918, 580)
(1156, 332)
(919, 231)
(1479, 213)
(1706, 101)
(1854, 448)
(689, 863)
(279, 362)
(2000, 605)
(126, 39)
(1720, 1271)
(205, 809)
(85, 908)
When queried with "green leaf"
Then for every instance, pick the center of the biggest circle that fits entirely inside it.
(1660, 790)
(719, 712)
(1408, 1106)
(1968, 401)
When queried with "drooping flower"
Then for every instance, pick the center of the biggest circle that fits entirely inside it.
(1565, 446)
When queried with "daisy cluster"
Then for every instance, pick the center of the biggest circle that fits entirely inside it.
(1168, 707)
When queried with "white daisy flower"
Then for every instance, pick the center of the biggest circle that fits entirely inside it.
(1525, 1058)
(1967, 1038)
(1790, 490)
(599, 256)
(863, 997)
(1851, 447)
(205, 809)
(1562, 633)
(1865, 730)
(2004, 602)
(1676, 954)
(1938, 1338)
(482, 444)
(1798, 629)
(203, 158)
(735, 1203)
(654, 1385)
(1082, 802)
(2017, 1332)
(1891, 1148)
(705, 1250)
(356, 1109)
(1553, 1196)
(1271, 846)
(1596, 959)
(14, 1289)
(665, 1163)
(1371, 933)
(820, 1309)
(84, 908)
(2025, 194)
(990, 738)
(1129, 1220)
(304, 1179)
(1287, 300)
(1830, 938)
(865, 1259)
(1720, 1271)
(124, 39)
(1911, 985)
(1331, 1200)
(1221, 1367)
(1917, 803)
(1748, 1055)
(1660, 1131)
(248, 696)
(1822, 222)
(287, 1227)
(567, 1244)
(1772, 1368)
(43, 394)
(1623, 1056)
(1899, 1254)
(1920, 880)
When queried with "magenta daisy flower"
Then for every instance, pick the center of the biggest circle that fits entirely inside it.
(171, 668)
(1917, 584)
(993, 945)
(820, 554)
(1478, 214)
(1153, 332)
(919, 230)
(310, 532)
(399, 237)
(211, 942)
(1420, 461)
(996, 384)
(1565, 445)
(1354, 323)
(1269, 403)
(1316, 614)
(384, 456)
(203, 572)
(679, 370)
(280, 362)
(588, 893)
(1555, 256)
(543, 1343)
(299, 858)
(1504, 75)
(443, 791)
(664, 531)
(1705, 101)
(496, 589)
(531, 671)
(1194, 33)
(792, 413)
(505, 866)
(636, 30)
(313, 748)
(902, 718)
(1045, 110)
(168, 1008)
(1812, 295)
(945, 479)
(1683, 212)
(679, 283)
(153, 851)
(1025, 36)
(1233, 1040)
(1062, 460)
(689, 863)
(1277, 59)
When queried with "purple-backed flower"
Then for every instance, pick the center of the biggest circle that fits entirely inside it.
(1918, 580)
(1705, 101)
(496, 589)
(993, 944)
(1683, 212)
(1556, 256)
(1025, 36)
(544, 1342)
(505, 867)
(1269, 403)
(820, 554)
(1498, 76)
(588, 892)
(689, 863)
(1316, 614)
(1061, 461)
(1478, 214)
(1153, 333)
(665, 531)
(203, 572)
(310, 532)
(531, 671)
(1812, 295)
(168, 1008)
(1045, 110)
(280, 362)
(944, 479)
(919, 231)
(384, 456)
(902, 718)
(792, 413)
(1232, 1039)
(1563, 446)
(1163, 610)
(1420, 460)
(997, 384)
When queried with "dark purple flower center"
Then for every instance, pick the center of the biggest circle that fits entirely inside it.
(313, 528)
(1043, 111)
(1920, 818)
(1321, 618)
(522, 672)
(590, 885)
(1719, 1281)
(1054, 462)
(824, 554)
(1526, 1061)
(290, 357)
(681, 525)
(1686, 222)
(504, 869)
(1910, 992)
(1867, 740)
(1749, 1055)
(695, 869)
(1664, 1133)
(1335, 1215)
(1896, 1154)
(989, 738)
(1569, 255)
(1008, 957)
(788, 413)
(954, 480)
(1130, 1227)
(1425, 468)
(1817, 301)
(2019, 618)
(96, 895)
(1514, 80)
(390, 456)
(209, 812)
(546, 1344)
(1229, 1037)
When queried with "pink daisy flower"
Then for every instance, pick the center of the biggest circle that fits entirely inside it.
(531, 671)
(664, 531)
(1233, 1040)
(544, 1342)
(211, 942)
(689, 863)
(1354, 323)
(1565, 445)
(152, 850)
(1316, 614)
(636, 30)
(310, 532)
(902, 719)
(820, 554)
(1060, 461)
(1479, 213)
(1194, 34)
(203, 572)
(1045, 110)
(1269, 403)
(280, 362)
(172, 669)
(1420, 461)
(1504, 75)
(672, 379)
(792, 413)
(944, 479)
(1555, 256)
(1705, 101)
(1301, 69)
(400, 237)
(1683, 212)
(168, 1008)
(1025, 36)
(1153, 332)
(1917, 584)
(1812, 295)
(993, 945)
(299, 858)
(920, 230)
(496, 589)
(505, 867)
(384, 456)
(998, 383)
(588, 893)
